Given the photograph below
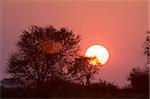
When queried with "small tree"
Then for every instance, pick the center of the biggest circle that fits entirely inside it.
(82, 71)
(39, 51)
(139, 80)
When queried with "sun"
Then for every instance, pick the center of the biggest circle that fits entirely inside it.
(100, 53)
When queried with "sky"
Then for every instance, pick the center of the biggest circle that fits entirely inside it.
(119, 26)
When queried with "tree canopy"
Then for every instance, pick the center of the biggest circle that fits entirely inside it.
(40, 51)
(82, 71)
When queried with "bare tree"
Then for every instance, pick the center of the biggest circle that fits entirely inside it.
(39, 51)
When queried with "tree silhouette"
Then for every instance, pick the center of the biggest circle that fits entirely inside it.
(82, 71)
(139, 80)
(40, 49)
(147, 47)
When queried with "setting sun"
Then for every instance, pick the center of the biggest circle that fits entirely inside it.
(99, 52)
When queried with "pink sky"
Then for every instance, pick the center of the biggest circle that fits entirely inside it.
(120, 26)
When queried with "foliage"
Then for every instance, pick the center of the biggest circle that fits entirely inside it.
(139, 80)
(82, 71)
(40, 49)
(59, 88)
(48, 64)
(147, 47)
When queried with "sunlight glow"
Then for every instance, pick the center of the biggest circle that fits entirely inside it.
(51, 47)
(99, 52)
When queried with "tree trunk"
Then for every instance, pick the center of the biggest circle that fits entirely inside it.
(87, 80)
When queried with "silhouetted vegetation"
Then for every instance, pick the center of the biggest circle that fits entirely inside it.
(42, 53)
(147, 47)
(47, 65)
(59, 88)
(139, 80)
(63, 89)
(82, 71)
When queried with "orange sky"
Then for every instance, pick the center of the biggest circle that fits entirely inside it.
(120, 26)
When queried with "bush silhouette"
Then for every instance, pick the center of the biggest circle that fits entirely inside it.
(139, 80)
